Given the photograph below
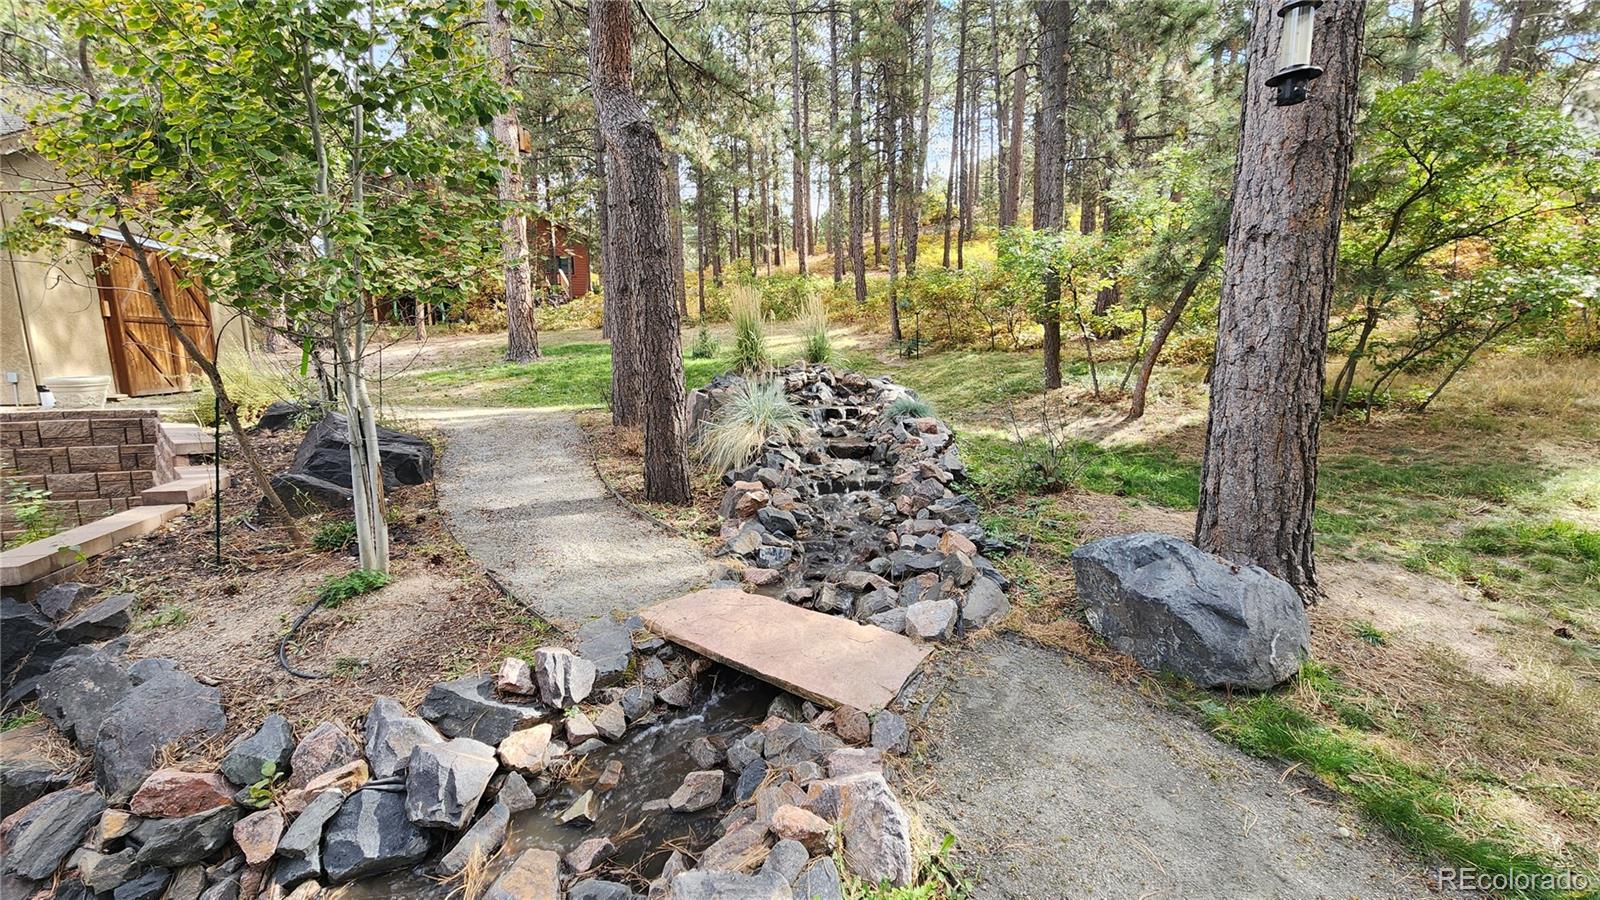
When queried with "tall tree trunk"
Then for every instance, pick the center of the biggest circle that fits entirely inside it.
(919, 183)
(1050, 152)
(891, 127)
(1414, 34)
(1511, 44)
(635, 172)
(602, 263)
(1019, 94)
(1259, 472)
(834, 194)
(1461, 35)
(858, 257)
(522, 338)
(1000, 159)
(797, 137)
(956, 120)
(700, 238)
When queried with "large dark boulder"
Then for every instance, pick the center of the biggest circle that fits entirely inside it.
(1176, 608)
(325, 454)
(184, 840)
(81, 691)
(42, 833)
(369, 835)
(30, 647)
(306, 495)
(169, 708)
(278, 415)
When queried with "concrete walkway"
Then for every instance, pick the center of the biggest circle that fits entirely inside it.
(524, 501)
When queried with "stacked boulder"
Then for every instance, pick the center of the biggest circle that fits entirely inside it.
(58, 620)
(860, 515)
(319, 477)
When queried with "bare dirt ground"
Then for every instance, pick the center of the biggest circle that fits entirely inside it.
(439, 616)
(1061, 783)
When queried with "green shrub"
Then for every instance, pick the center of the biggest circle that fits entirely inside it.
(750, 353)
(704, 345)
(334, 536)
(336, 590)
(818, 345)
(908, 407)
(755, 411)
(253, 388)
(27, 506)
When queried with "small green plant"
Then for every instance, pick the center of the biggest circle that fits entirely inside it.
(19, 719)
(336, 590)
(1369, 633)
(755, 411)
(908, 407)
(259, 795)
(704, 345)
(750, 353)
(334, 536)
(814, 324)
(168, 615)
(29, 507)
(348, 666)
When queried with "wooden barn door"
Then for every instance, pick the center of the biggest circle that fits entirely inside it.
(146, 356)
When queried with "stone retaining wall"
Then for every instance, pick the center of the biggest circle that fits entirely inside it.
(94, 462)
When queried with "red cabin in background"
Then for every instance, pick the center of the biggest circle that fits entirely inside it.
(559, 258)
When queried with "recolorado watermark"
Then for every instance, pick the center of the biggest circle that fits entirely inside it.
(1513, 881)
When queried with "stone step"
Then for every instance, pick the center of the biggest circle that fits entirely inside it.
(189, 440)
(823, 658)
(194, 483)
(31, 561)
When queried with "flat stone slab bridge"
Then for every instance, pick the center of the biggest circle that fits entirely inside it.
(826, 659)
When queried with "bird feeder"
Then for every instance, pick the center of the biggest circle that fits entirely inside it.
(1295, 70)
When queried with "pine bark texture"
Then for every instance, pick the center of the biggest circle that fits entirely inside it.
(798, 137)
(637, 187)
(1258, 475)
(858, 258)
(522, 328)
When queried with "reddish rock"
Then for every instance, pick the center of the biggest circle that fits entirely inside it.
(760, 577)
(257, 835)
(791, 823)
(587, 854)
(326, 748)
(174, 793)
(852, 725)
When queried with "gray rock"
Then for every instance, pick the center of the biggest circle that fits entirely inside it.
(698, 791)
(300, 848)
(705, 754)
(890, 733)
(786, 859)
(608, 644)
(747, 540)
(101, 872)
(371, 834)
(595, 889)
(750, 778)
(890, 620)
(272, 743)
(745, 750)
(41, 834)
(148, 886)
(306, 495)
(166, 710)
(140, 671)
(985, 603)
(186, 884)
(582, 810)
(391, 735)
(796, 742)
(931, 620)
(81, 691)
(565, 680)
(279, 414)
(445, 781)
(876, 831)
(611, 721)
(637, 701)
(483, 838)
(777, 521)
(819, 881)
(698, 885)
(101, 622)
(467, 707)
(325, 453)
(516, 794)
(324, 749)
(30, 647)
(1176, 608)
(185, 840)
(535, 875)
(589, 854)
(57, 601)
(28, 774)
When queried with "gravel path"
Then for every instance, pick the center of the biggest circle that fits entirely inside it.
(1060, 783)
(525, 502)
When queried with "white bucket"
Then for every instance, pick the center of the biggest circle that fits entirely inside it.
(79, 391)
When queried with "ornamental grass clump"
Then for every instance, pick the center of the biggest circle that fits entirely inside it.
(750, 353)
(814, 324)
(755, 411)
